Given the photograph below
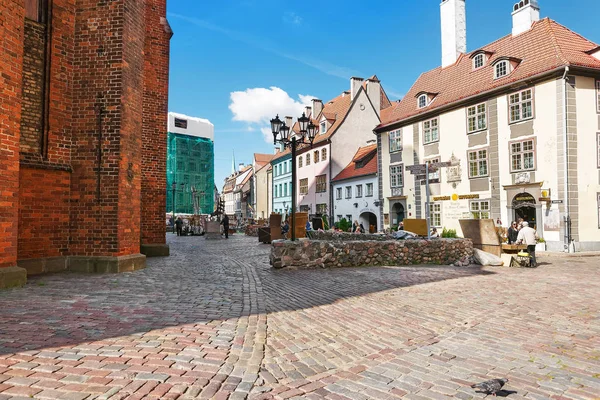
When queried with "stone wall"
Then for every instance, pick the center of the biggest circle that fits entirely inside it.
(308, 254)
(345, 236)
(252, 230)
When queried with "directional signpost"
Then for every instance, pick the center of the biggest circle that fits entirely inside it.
(421, 172)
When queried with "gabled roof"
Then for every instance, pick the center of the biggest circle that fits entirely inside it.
(367, 156)
(546, 47)
(262, 159)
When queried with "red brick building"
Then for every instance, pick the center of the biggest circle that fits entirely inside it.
(83, 116)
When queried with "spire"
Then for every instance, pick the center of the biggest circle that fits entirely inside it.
(233, 163)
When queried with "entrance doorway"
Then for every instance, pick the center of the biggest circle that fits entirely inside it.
(398, 214)
(525, 207)
(369, 221)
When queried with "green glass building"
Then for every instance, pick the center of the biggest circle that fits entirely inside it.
(190, 165)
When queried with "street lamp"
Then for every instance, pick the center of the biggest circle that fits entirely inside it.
(281, 134)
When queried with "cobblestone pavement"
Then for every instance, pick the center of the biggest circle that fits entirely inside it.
(214, 321)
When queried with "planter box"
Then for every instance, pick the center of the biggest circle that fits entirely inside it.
(540, 247)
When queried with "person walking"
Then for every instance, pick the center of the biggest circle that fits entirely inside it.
(179, 226)
(225, 223)
(529, 237)
(513, 233)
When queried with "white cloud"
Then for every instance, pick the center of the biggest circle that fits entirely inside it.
(257, 106)
(292, 18)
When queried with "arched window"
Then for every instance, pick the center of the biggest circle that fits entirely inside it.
(324, 155)
(478, 61)
(316, 156)
(501, 69)
(299, 162)
(308, 159)
(422, 101)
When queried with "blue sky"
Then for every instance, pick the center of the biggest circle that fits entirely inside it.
(238, 62)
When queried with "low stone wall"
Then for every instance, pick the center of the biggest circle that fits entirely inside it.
(252, 230)
(308, 254)
(345, 236)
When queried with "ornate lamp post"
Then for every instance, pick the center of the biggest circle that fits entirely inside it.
(281, 134)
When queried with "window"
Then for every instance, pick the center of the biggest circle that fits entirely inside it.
(349, 218)
(338, 193)
(181, 123)
(285, 189)
(522, 156)
(348, 192)
(396, 176)
(478, 61)
(395, 141)
(322, 209)
(276, 191)
(316, 156)
(280, 190)
(339, 217)
(369, 190)
(435, 214)
(521, 106)
(598, 147)
(480, 209)
(323, 126)
(598, 96)
(476, 118)
(436, 174)
(501, 69)
(430, 131)
(299, 162)
(478, 163)
(304, 186)
(307, 159)
(324, 155)
(35, 10)
(321, 183)
(359, 190)
(285, 168)
(422, 101)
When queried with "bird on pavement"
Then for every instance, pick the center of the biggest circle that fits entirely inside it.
(492, 386)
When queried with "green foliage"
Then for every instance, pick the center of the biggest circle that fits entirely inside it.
(449, 233)
(541, 240)
(394, 228)
(325, 223)
(344, 225)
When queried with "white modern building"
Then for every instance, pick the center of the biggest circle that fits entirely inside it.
(355, 190)
(519, 120)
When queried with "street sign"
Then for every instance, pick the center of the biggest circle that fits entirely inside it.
(421, 177)
(557, 201)
(431, 181)
(416, 167)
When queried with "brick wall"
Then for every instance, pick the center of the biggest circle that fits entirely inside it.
(154, 133)
(44, 201)
(11, 62)
(32, 108)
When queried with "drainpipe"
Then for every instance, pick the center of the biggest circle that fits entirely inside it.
(567, 218)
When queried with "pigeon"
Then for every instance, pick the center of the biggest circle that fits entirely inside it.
(492, 386)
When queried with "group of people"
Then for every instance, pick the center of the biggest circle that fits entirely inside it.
(521, 233)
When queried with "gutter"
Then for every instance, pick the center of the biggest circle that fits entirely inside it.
(567, 218)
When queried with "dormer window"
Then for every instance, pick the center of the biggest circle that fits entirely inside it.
(422, 101)
(323, 127)
(501, 69)
(478, 61)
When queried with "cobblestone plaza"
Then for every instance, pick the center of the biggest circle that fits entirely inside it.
(213, 320)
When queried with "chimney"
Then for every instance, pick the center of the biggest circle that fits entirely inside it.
(241, 167)
(355, 86)
(454, 30)
(277, 150)
(289, 121)
(374, 93)
(308, 111)
(317, 107)
(525, 13)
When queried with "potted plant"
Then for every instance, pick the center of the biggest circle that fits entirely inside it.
(541, 245)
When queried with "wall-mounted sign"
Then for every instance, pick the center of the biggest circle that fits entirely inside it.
(456, 197)
(454, 172)
(557, 201)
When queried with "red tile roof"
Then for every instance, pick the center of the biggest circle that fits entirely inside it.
(353, 170)
(547, 46)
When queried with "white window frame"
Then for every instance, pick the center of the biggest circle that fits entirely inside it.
(498, 68)
(395, 141)
(422, 101)
(300, 162)
(359, 191)
(429, 127)
(338, 193)
(339, 217)
(517, 106)
(521, 154)
(477, 115)
(397, 176)
(369, 190)
(304, 186)
(323, 127)
(321, 207)
(478, 210)
(307, 158)
(435, 214)
(321, 187)
(481, 57)
(324, 154)
(481, 159)
(276, 192)
(316, 156)
(348, 192)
